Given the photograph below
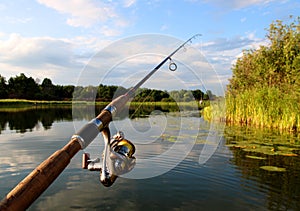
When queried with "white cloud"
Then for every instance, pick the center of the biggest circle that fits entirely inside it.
(109, 31)
(230, 48)
(88, 45)
(13, 20)
(164, 27)
(83, 13)
(222, 53)
(238, 4)
(121, 23)
(34, 51)
(39, 57)
(103, 18)
(129, 3)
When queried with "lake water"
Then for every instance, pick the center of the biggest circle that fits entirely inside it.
(182, 162)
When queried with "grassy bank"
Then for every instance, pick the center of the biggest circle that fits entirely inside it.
(216, 111)
(191, 103)
(22, 102)
(266, 107)
(263, 108)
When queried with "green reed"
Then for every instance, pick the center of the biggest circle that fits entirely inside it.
(266, 107)
(215, 111)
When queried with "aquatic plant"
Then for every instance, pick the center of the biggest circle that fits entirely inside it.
(273, 168)
(265, 87)
(265, 107)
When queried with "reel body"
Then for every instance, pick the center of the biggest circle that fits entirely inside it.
(117, 158)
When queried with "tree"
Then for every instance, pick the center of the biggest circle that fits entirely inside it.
(16, 86)
(3, 88)
(23, 87)
(187, 97)
(210, 95)
(48, 89)
(88, 93)
(104, 93)
(198, 94)
(32, 90)
(68, 91)
(275, 65)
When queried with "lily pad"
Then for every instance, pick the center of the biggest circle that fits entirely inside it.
(267, 150)
(255, 157)
(273, 168)
(290, 155)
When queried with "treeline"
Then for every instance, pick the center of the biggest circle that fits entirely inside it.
(23, 87)
(265, 87)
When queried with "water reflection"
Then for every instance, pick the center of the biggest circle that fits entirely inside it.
(28, 118)
(230, 180)
(281, 187)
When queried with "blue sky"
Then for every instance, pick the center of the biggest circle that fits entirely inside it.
(58, 39)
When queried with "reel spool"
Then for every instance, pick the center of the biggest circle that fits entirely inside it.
(123, 147)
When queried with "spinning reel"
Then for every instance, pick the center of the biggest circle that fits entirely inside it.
(117, 158)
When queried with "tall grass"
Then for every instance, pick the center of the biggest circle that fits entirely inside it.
(266, 107)
(215, 111)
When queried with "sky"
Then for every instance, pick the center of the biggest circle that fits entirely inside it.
(87, 42)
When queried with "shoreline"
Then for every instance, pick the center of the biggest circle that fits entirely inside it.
(24, 102)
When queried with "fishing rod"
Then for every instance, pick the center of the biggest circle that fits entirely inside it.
(172, 65)
(32, 186)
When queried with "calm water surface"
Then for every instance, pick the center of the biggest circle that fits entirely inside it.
(230, 180)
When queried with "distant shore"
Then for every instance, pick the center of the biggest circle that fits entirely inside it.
(24, 102)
